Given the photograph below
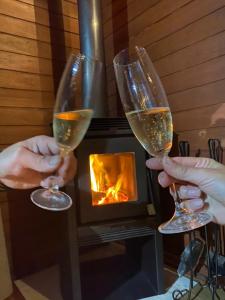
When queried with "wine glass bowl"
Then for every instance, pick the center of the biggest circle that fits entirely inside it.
(144, 101)
(72, 114)
(147, 110)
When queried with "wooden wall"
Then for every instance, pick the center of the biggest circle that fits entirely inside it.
(36, 36)
(26, 63)
(185, 39)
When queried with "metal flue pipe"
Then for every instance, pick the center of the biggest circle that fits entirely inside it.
(92, 45)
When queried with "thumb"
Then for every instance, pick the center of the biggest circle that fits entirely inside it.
(40, 163)
(182, 172)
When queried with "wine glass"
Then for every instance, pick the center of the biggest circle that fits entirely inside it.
(147, 110)
(71, 118)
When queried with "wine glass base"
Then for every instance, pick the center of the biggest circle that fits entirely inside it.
(186, 222)
(55, 201)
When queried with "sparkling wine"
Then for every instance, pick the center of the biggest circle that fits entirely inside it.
(153, 128)
(70, 127)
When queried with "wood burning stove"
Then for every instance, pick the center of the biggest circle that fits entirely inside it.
(112, 180)
(112, 192)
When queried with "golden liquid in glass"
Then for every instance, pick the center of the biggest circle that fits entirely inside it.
(70, 127)
(153, 128)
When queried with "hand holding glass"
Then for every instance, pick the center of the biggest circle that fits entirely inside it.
(71, 118)
(147, 110)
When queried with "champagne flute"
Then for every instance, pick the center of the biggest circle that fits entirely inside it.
(71, 118)
(147, 110)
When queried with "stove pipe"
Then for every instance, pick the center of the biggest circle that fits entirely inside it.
(92, 45)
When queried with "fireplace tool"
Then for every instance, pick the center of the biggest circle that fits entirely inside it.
(193, 251)
(214, 252)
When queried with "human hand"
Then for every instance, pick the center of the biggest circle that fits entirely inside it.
(29, 163)
(206, 180)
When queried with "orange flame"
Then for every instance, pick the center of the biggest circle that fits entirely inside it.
(105, 189)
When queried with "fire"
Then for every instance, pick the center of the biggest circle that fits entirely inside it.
(108, 179)
(96, 182)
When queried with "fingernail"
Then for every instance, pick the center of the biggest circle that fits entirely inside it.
(190, 191)
(54, 160)
(160, 178)
(195, 204)
(193, 193)
(147, 163)
(183, 189)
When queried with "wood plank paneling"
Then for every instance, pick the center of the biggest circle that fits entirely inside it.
(19, 80)
(196, 86)
(26, 98)
(39, 3)
(34, 31)
(195, 54)
(177, 33)
(31, 32)
(29, 47)
(72, 1)
(23, 28)
(158, 11)
(25, 116)
(24, 11)
(195, 76)
(176, 19)
(28, 35)
(105, 3)
(43, 3)
(24, 63)
(182, 17)
(16, 44)
(69, 9)
(207, 26)
(211, 116)
(211, 26)
(185, 40)
(134, 10)
(140, 17)
(37, 15)
(24, 102)
(70, 24)
(13, 134)
(205, 95)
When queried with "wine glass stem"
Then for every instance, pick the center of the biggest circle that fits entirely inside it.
(178, 208)
(54, 188)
